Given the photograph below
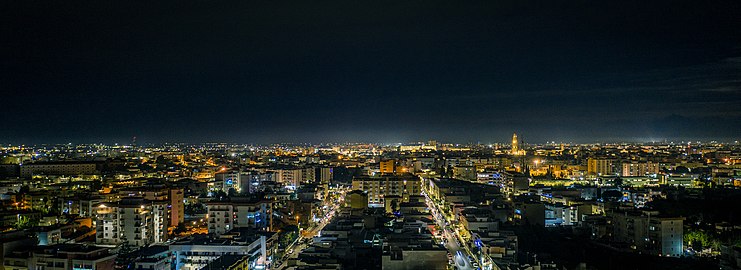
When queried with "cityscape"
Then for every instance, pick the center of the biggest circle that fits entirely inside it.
(392, 135)
(424, 205)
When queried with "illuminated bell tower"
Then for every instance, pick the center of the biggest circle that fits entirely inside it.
(516, 146)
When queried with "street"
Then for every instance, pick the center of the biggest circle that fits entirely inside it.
(302, 242)
(462, 254)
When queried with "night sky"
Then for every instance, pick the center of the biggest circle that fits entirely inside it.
(374, 71)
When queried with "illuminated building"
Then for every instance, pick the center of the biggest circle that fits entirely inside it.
(325, 174)
(177, 210)
(226, 216)
(292, 176)
(465, 172)
(600, 166)
(229, 180)
(173, 196)
(516, 151)
(387, 166)
(640, 168)
(71, 256)
(58, 168)
(133, 221)
(196, 253)
(380, 186)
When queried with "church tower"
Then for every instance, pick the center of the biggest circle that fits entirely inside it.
(516, 151)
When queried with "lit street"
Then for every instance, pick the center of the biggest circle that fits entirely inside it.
(462, 254)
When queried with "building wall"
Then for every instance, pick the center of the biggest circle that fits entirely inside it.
(600, 166)
(379, 187)
(464, 172)
(639, 169)
(177, 211)
(138, 225)
(387, 166)
(223, 217)
(194, 257)
(28, 170)
(649, 234)
(325, 175)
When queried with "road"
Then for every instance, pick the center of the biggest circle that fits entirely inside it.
(460, 253)
(301, 242)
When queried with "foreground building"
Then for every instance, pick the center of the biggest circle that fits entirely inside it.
(197, 252)
(649, 232)
(132, 221)
(224, 216)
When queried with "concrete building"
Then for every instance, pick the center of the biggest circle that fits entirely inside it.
(640, 168)
(357, 199)
(197, 252)
(531, 213)
(380, 186)
(156, 257)
(325, 174)
(132, 221)
(465, 172)
(479, 220)
(229, 180)
(387, 166)
(289, 176)
(58, 168)
(173, 196)
(600, 166)
(228, 215)
(71, 256)
(560, 215)
(648, 232)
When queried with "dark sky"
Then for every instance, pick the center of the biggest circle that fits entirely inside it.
(397, 71)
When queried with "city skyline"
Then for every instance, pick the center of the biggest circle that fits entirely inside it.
(364, 135)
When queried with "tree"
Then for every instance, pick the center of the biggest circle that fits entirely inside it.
(287, 235)
(24, 222)
(394, 205)
(699, 240)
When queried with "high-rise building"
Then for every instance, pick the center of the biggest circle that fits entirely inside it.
(177, 207)
(600, 166)
(172, 196)
(649, 232)
(325, 174)
(229, 180)
(379, 187)
(133, 221)
(640, 168)
(290, 176)
(226, 216)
